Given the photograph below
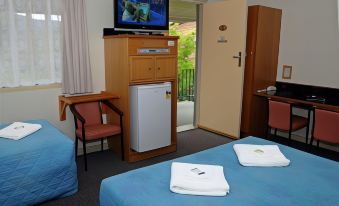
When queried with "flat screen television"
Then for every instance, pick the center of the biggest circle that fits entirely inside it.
(141, 15)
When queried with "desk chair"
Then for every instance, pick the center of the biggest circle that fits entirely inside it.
(325, 126)
(281, 118)
(89, 125)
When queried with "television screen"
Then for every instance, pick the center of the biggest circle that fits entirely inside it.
(141, 14)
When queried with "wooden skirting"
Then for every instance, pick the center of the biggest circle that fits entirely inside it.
(217, 132)
(137, 156)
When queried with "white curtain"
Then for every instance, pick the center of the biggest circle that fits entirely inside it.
(77, 77)
(30, 42)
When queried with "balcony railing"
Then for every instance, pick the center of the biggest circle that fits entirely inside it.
(186, 85)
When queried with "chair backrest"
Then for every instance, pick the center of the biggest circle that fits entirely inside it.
(326, 126)
(279, 115)
(91, 112)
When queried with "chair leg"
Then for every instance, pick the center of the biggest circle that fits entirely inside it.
(307, 131)
(275, 132)
(76, 147)
(85, 155)
(122, 147)
(268, 131)
(318, 143)
(102, 144)
(289, 136)
(308, 124)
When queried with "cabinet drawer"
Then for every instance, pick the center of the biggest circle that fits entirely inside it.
(135, 44)
(165, 67)
(141, 68)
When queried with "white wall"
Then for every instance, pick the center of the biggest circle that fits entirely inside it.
(99, 16)
(37, 104)
(43, 104)
(309, 40)
(1, 108)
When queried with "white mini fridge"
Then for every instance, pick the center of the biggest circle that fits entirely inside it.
(150, 108)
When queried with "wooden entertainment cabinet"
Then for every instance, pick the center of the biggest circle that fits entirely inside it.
(133, 60)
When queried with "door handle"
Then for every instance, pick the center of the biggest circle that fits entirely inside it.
(239, 59)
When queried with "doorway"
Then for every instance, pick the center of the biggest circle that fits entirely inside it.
(183, 15)
(221, 66)
(186, 73)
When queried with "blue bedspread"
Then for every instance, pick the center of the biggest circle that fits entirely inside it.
(309, 180)
(37, 168)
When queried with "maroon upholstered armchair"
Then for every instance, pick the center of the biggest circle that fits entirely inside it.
(325, 127)
(281, 118)
(89, 125)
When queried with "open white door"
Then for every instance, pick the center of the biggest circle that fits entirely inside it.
(223, 42)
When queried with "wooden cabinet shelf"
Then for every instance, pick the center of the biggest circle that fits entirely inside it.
(141, 69)
(164, 67)
(152, 68)
(125, 65)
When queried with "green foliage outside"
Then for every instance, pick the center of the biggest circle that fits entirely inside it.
(186, 61)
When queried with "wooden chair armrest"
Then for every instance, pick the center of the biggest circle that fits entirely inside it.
(111, 106)
(76, 114)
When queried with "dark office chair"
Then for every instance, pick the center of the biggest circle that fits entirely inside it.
(325, 126)
(281, 118)
(89, 125)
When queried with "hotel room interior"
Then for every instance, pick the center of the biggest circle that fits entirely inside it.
(92, 96)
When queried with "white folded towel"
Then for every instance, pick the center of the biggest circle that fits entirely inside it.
(19, 130)
(260, 155)
(197, 179)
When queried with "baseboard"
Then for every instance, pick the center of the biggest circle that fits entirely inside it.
(185, 128)
(92, 148)
(217, 132)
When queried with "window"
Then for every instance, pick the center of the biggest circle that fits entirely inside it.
(30, 42)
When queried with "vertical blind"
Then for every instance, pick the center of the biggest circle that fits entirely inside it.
(30, 42)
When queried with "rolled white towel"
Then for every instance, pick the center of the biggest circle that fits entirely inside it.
(19, 130)
(260, 155)
(197, 179)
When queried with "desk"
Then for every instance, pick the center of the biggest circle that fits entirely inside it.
(298, 100)
(256, 124)
(64, 101)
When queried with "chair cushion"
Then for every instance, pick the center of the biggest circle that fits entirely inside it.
(298, 122)
(326, 127)
(94, 132)
(90, 111)
(279, 115)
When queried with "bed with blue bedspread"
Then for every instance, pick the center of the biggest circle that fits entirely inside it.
(37, 168)
(309, 180)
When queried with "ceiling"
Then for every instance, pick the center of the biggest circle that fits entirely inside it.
(183, 10)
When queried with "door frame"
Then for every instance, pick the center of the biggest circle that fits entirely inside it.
(198, 51)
